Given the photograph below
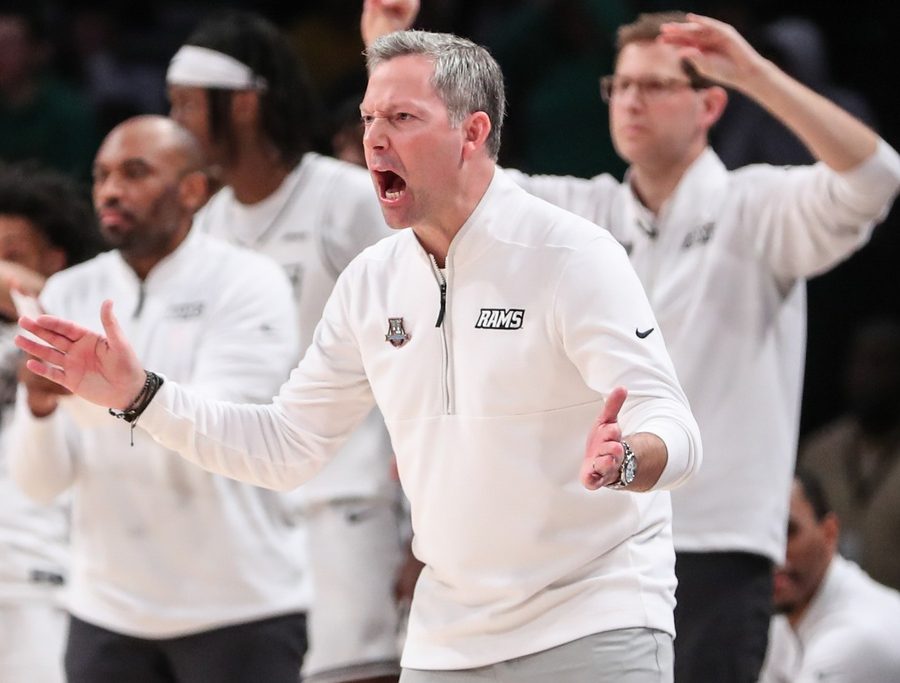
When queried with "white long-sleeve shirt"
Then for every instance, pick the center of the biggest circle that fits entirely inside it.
(324, 213)
(160, 547)
(723, 265)
(488, 413)
(848, 634)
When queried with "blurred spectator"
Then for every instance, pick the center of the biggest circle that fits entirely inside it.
(40, 117)
(45, 225)
(834, 623)
(857, 456)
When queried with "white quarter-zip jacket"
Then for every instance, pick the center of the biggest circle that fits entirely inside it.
(724, 266)
(490, 376)
(160, 547)
(847, 635)
(324, 213)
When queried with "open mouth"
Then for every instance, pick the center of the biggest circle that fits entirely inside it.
(390, 185)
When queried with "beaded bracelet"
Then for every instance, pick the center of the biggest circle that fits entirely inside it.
(152, 383)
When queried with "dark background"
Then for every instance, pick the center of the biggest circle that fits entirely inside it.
(552, 52)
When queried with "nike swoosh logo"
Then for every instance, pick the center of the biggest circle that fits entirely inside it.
(643, 335)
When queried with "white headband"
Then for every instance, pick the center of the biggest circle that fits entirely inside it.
(205, 68)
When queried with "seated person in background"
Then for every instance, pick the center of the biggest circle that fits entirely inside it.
(857, 456)
(834, 622)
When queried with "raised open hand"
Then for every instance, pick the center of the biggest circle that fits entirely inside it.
(604, 452)
(102, 369)
(715, 49)
(380, 17)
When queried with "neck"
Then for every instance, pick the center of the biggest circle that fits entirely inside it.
(655, 182)
(436, 234)
(257, 172)
(143, 261)
(797, 613)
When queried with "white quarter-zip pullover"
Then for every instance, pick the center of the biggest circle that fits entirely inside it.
(160, 547)
(488, 412)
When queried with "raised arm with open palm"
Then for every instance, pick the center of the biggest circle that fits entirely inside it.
(102, 369)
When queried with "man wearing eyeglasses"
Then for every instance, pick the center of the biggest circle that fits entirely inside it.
(723, 257)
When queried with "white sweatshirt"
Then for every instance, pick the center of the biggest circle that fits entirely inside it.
(324, 213)
(488, 413)
(848, 634)
(34, 538)
(723, 265)
(160, 547)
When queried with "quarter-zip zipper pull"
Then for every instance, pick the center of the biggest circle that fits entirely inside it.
(442, 283)
(440, 318)
(140, 301)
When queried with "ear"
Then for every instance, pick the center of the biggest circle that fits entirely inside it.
(193, 190)
(244, 107)
(831, 529)
(714, 101)
(475, 129)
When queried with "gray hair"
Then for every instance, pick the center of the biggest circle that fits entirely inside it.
(466, 77)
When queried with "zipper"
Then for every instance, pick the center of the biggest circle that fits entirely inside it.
(445, 347)
(443, 285)
(140, 301)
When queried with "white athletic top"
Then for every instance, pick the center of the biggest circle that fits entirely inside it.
(160, 547)
(723, 266)
(848, 635)
(489, 413)
(34, 554)
(323, 214)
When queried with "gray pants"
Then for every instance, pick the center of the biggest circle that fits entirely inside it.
(633, 655)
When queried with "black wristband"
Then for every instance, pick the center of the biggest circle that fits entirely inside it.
(152, 383)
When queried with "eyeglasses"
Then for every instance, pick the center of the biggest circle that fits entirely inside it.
(650, 88)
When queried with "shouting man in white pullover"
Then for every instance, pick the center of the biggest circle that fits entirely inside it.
(495, 336)
(724, 257)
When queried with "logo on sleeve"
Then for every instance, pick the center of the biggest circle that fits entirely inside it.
(643, 334)
(396, 335)
(500, 319)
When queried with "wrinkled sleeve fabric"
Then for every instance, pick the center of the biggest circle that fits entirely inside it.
(42, 452)
(284, 444)
(599, 304)
(588, 198)
(804, 220)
